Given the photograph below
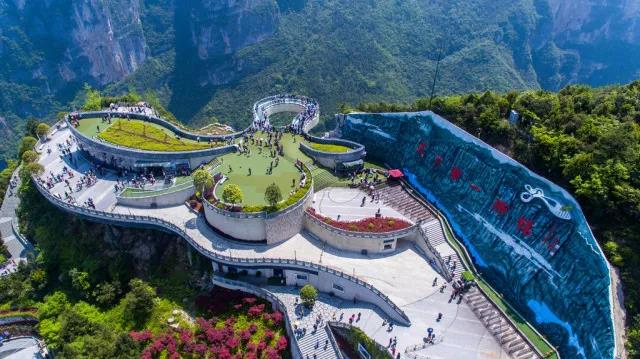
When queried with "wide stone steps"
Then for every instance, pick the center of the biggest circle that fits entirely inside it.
(395, 196)
(317, 345)
(499, 326)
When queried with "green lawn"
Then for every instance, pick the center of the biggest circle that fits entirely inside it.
(181, 183)
(253, 186)
(91, 127)
(147, 136)
(325, 147)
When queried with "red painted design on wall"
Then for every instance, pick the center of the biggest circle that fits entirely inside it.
(475, 187)
(421, 148)
(437, 161)
(525, 226)
(456, 173)
(500, 206)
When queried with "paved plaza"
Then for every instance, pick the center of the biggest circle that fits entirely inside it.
(348, 204)
(404, 275)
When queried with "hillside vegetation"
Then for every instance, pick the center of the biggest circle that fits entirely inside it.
(585, 139)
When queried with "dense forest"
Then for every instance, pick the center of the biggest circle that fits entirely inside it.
(585, 139)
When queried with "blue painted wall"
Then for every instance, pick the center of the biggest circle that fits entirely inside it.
(526, 235)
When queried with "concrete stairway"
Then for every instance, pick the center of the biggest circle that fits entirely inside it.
(396, 197)
(510, 339)
(435, 235)
(499, 326)
(317, 345)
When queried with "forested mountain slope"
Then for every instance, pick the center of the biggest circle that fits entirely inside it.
(209, 58)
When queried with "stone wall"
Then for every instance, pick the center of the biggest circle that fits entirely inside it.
(527, 236)
(356, 241)
(272, 228)
(163, 200)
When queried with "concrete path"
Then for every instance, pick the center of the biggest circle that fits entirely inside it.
(16, 245)
(347, 202)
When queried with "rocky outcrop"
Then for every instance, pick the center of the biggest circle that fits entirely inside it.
(590, 41)
(216, 29)
(63, 44)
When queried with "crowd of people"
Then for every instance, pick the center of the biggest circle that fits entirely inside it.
(297, 125)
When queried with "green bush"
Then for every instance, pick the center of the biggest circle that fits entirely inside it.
(232, 193)
(29, 156)
(308, 295)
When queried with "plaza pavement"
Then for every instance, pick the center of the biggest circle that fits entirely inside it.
(404, 275)
(347, 203)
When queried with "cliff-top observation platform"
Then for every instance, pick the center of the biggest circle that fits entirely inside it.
(387, 276)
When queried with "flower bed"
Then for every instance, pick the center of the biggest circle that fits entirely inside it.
(241, 326)
(370, 225)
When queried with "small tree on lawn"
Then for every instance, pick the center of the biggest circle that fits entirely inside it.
(308, 295)
(272, 194)
(232, 194)
(202, 179)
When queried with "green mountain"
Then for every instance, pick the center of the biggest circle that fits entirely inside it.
(214, 58)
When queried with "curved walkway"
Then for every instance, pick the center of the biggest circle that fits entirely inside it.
(404, 277)
(16, 244)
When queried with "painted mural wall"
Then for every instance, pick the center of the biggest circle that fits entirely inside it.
(526, 235)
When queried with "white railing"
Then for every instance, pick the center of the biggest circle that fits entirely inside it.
(146, 220)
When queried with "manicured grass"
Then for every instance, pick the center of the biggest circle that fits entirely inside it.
(325, 147)
(253, 186)
(147, 136)
(181, 183)
(91, 127)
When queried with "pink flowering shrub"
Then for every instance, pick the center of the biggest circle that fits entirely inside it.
(248, 329)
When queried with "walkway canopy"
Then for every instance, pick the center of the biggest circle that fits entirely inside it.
(395, 174)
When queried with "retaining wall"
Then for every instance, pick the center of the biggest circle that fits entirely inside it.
(163, 200)
(124, 157)
(261, 226)
(527, 236)
(357, 241)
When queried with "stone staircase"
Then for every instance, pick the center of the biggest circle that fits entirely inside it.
(396, 197)
(510, 339)
(317, 345)
(499, 326)
(432, 231)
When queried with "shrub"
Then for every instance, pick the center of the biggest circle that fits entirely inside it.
(272, 194)
(27, 143)
(29, 156)
(202, 179)
(308, 295)
(232, 194)
(42, 129)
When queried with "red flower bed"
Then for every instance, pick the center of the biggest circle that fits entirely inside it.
(216, 338)
(371, 225)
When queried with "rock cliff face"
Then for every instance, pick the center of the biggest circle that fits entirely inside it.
(592, 41)
(61, 44)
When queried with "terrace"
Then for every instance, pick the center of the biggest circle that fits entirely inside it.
(138, 134)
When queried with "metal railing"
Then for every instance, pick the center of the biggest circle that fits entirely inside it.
(447, 272)
(146, 220)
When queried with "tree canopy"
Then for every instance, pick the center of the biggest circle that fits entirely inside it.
(232, 193)
(272, 194)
